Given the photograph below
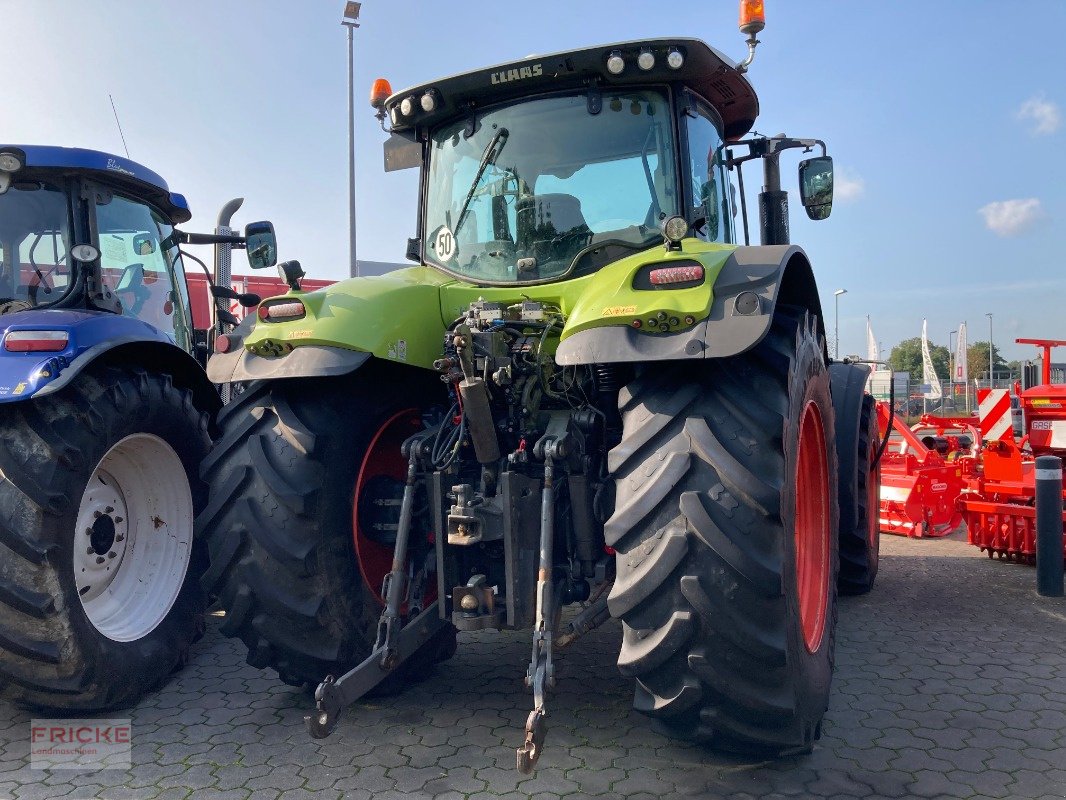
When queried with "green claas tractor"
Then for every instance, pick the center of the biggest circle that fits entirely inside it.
(587, 394)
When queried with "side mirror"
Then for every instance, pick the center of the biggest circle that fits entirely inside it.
(261, 244)
(143, 244)
(816, 186)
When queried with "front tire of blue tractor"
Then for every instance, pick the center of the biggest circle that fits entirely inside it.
(100, 596)
(725, 533)
(291, 562)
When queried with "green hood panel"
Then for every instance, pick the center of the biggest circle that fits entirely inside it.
(402, 316)
(610, 299)
(394, 316)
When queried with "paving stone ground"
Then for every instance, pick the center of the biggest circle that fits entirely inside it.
(950, 682)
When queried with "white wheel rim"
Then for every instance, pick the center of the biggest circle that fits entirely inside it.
(133, 538)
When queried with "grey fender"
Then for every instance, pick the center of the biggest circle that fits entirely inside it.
(306, 361)
(154, 356)
(774, 273)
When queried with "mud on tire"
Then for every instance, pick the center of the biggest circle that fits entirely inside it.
(279, 522)
(51, 654)
(704, 530)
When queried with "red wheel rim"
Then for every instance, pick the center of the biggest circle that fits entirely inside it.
(383, 458)
(873, 498)
(812, 527)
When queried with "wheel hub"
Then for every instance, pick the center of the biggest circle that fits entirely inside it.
(102, 535)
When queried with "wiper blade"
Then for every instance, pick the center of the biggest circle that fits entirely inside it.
(488, 156)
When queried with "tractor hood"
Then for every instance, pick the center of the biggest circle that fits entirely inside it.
(402, 316)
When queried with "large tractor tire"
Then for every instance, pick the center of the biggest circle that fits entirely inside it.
(305, 487)
(725, 532)
(860, 489)
(100, 594)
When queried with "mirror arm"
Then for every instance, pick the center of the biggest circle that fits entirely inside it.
(181, 237)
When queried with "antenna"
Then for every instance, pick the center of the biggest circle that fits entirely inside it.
(119, 124)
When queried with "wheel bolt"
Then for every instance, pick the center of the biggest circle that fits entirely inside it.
(89, 551)
(109, 509)
(118, 519)
(88, 531)
(99, 559)
(111, 554)
(119, 537)
(97, 515)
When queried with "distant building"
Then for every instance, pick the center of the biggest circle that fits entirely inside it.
(367, 268)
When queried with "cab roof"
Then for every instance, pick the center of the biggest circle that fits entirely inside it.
(106, 167)
(706, 71)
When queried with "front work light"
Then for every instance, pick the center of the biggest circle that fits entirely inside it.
(674, 59)
(674, 229)
(429, 101)
(646, 59)
(615, 63)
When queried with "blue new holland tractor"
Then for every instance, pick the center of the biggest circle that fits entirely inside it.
(105, 415)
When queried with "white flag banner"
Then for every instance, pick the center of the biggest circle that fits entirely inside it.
(929, 377)
(961, 348)
(872, 353)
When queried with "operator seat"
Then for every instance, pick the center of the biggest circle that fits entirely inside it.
(544, 217)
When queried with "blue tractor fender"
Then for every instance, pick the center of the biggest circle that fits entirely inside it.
(92, 337)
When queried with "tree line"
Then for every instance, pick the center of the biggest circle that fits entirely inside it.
(907, 357)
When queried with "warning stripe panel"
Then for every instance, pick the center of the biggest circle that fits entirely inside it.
(994, 411)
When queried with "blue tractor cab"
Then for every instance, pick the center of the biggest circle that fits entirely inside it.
(92, 235)
(105, 415)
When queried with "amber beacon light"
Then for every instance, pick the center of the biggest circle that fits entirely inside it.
(752, 16)
(380, 91)
(752, 21)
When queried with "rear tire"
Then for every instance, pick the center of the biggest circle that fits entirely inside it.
(728, 636)
(98, 487)
(860, 502)
(279, 523)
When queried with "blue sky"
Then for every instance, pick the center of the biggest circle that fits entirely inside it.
(933, 112)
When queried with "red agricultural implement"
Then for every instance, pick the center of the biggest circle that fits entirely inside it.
(999, 503)
(922, 477)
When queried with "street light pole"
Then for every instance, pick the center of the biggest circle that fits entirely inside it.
(351, 15)
(836, 322)
(990, 351)
(951, 368)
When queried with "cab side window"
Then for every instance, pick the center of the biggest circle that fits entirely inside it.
(709, 186)
(135, 261)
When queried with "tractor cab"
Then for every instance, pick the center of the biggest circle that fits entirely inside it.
(85, 230)
(554, 166)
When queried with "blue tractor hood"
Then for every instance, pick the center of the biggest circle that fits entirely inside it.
(110, 168)
(25, 375)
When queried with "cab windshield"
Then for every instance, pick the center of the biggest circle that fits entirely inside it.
(520, 194)
(35, 231)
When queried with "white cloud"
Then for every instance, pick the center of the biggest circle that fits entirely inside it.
(1012, 217)
(848, 186)
(1043, 113)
